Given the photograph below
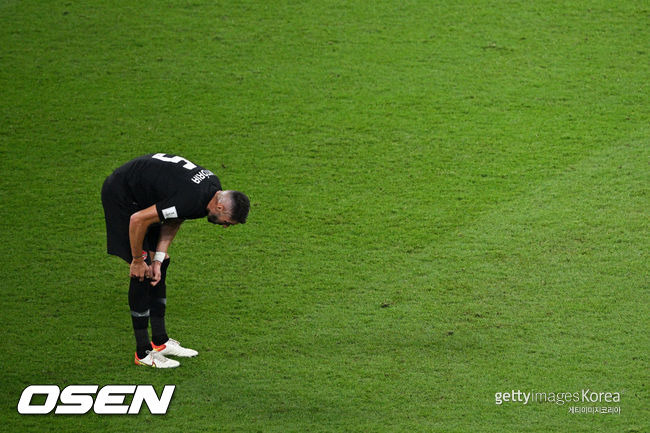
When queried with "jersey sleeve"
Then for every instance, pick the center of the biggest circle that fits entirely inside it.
(180, 206)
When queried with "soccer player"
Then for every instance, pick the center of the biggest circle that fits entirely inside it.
(145, 202)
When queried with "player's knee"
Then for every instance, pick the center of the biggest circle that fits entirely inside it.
(139, 295)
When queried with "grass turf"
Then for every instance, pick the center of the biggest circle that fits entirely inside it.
(449, 201)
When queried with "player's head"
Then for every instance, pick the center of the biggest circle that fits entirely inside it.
(230, 208)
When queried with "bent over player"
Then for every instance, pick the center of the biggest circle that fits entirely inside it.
(145, 202)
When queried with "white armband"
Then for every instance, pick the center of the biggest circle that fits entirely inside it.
(159, 256)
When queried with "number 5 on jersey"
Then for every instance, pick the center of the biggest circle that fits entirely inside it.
(174, 160)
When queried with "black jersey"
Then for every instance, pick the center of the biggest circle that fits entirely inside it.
(178, 187)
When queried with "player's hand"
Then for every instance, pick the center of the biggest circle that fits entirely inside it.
(139, 269)
(155, 273)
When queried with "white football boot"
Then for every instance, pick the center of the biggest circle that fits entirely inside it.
(156, 360)
(174, 348)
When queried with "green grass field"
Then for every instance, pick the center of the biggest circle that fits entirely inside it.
(450, 200)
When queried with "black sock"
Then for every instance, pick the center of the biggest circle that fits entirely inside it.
(158, 306)
(158, 331)
(140, 312)
(143, 345)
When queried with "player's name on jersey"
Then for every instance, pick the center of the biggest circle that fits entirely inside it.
(203, 174)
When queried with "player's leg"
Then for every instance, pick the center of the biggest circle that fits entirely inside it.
(158, 307)
(139, 303)
(161, 341)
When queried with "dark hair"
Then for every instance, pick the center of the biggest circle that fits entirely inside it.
(240, 206)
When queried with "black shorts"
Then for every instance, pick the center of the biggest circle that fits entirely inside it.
(118, 208)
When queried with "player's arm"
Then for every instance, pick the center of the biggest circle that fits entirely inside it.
(167, 233)
(140, 222)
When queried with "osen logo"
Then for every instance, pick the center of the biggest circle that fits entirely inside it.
(80, 399)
